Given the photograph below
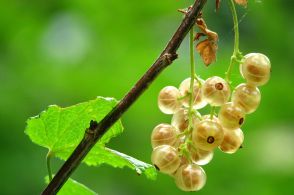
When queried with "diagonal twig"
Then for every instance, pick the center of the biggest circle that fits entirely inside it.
(97, 130)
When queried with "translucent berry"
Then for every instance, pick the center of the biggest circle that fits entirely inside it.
(231, 116)
(200, 157)
(168, 101)
(233, 140)
(207, 135)
(216, 91)
(246, 97)
(190, 177)
(180, 119)
(163, 134)
(185, 90)
(165, 158)
(256, 69)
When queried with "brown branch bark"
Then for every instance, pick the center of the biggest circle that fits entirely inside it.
(97, 130)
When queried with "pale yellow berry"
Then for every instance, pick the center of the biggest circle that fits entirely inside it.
(207, 135)
(233, 140)
(166, 159)
(256, 68)
(184, 88)
(247, 97)
(168, 101)
(180, 119)
(163, 134)
(231, 116)
(216, 91)
(190, 177)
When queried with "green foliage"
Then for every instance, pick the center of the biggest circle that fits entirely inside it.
(72, 187)
(139, 166)
(61, 129)
(116, 56)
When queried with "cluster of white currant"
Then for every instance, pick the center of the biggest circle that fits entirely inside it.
(180, 148)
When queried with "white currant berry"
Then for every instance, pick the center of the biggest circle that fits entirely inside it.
(231, 116)
(190, 177)
(256, 68)
(163, 134)
(184, 88)
(207, 135)
(168, 101)
(216, 91)
(200, 157)
(165, 158)
(233, 140)
(246, 97)
(180, 119)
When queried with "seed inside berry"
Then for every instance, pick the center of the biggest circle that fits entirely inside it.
(156, 167)
(241, 121)
(219, 86)
(210, 139)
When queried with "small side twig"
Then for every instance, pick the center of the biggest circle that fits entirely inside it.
(99, 129)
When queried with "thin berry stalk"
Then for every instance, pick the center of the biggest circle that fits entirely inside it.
(192, 69)
(236, 52)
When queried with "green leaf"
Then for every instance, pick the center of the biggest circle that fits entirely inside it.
(61, 129)
(120, 160)
(72, 187)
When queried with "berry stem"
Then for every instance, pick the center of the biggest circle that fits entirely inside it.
(212, 111)
(197, 115)
(197, 79)
(236, 56)
(48, 161)
(184, 151)
(184, 96)
(192, 69)
(184, 146)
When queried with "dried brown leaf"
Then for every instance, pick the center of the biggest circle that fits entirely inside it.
(217, 5)
(207, 50)
(241, 2)
(198, 35)
(201, 25)
(208, 47)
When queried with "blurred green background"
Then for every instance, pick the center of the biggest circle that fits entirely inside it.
(66, 52)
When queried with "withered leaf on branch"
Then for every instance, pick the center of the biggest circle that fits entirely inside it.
(217, 5)
(241, 2)
(208, 47)
(207, 50)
